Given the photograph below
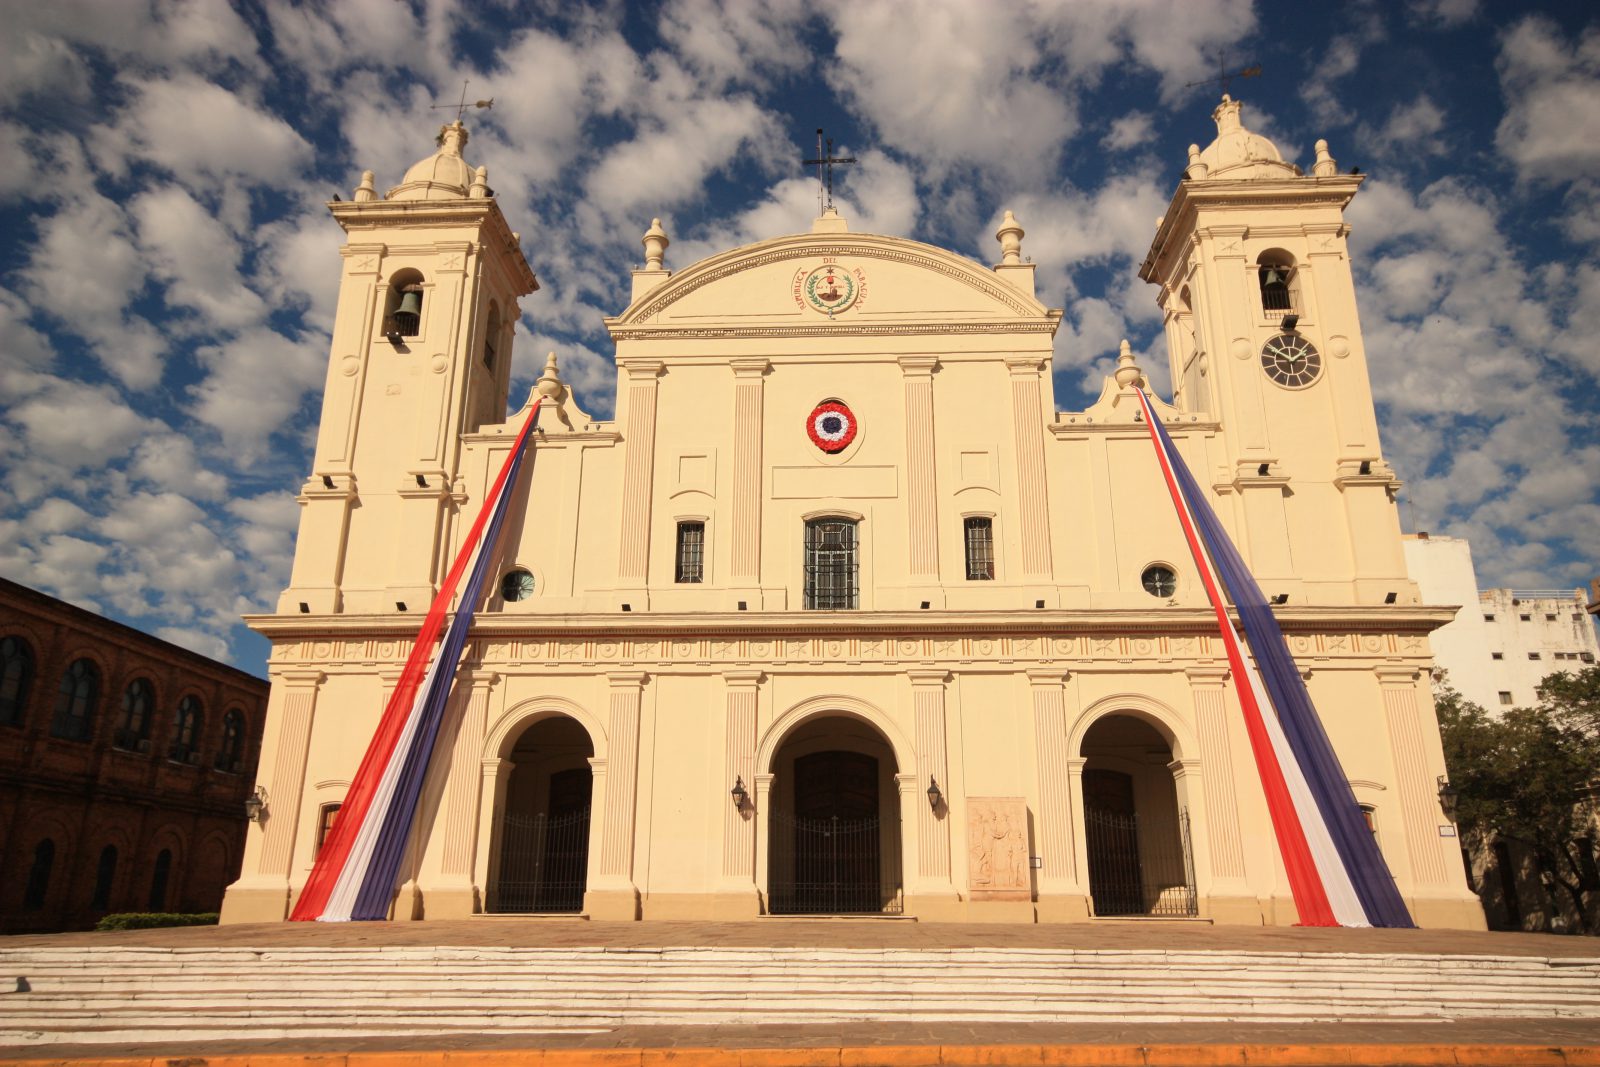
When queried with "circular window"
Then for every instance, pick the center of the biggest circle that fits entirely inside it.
(516, 585)
(1159, 580)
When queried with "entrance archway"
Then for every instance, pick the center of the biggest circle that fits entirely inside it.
(1136, 833)
(834, 822)
(543, 827)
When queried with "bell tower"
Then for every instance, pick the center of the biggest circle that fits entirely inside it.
(421, 354)
(1264, 336)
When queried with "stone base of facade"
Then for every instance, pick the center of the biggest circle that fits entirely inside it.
(937, 908)
(612, 905)
(722, 907)
(450, 902)
(1451, 913)
(1234, 911)
(1000, 911)
(1067, 908)
(265, 904)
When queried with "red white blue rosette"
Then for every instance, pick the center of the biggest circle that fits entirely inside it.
(832, 426)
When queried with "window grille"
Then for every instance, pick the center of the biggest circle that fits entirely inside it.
(832, 565)
(691, 552)
(75, 702)
(137, 701)
(326, 817)
(186, 737)
(980, 549)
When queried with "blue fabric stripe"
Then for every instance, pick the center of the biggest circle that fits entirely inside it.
(1368, 872)
(377, 889)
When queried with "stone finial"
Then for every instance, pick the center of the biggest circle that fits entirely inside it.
(1325, 167)
(655, 245)
(366, 190)
(1197, 167)
(1010, 236)
(1128, 372)
(480, 184)
(452, 138)
(1226, 115)
(550, 384)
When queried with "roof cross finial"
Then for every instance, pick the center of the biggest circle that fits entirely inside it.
(461, 108)
(1224, 75)
(825, 162)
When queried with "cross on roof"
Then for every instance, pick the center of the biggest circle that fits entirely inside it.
(1224, 75)
(825, 162)
(461, 107)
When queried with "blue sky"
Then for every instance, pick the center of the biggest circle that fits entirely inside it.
(169, 266)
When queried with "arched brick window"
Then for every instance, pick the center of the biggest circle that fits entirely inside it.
(133, 731)
(159, 875)
(44, 859)
(105, 875)
(187, 728)
(16, 679)
(231, 756)
(76, 702)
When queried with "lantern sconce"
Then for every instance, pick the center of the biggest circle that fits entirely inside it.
(740, 795)
(1448, 795)
(934, 796)
(255, 805)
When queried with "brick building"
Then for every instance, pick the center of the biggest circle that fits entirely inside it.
(125, 763)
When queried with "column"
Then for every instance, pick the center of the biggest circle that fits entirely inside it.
(1080, 843)
(737, 893)
(1027, 420)
(263, 894)
(910, 793)
(638, 475)
(1058, 871)
(613, 894)
(922, 499)
(453, 895)
(494, 776)
(1221, 803)
(763, 802)
(933, 827)
(749, 395)
(1415, 778)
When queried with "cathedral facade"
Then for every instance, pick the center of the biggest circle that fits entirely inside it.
(840, 613)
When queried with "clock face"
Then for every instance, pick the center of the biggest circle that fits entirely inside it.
(516, 585)
(1291, 360)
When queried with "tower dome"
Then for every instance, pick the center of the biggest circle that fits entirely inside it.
(444, 175)
(1238, 153)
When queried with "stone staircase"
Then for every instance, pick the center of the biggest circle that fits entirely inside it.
(126, 995)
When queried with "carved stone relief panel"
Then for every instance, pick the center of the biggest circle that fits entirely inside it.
(997, 848)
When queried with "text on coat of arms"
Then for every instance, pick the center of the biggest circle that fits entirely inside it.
(829, 288)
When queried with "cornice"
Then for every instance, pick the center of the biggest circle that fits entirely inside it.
(837, 328)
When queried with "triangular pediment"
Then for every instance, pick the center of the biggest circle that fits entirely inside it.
(832, 280)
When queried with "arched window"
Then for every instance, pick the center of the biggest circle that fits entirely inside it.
(104, 874)
(327, 815)
(44, 858)
(1275, 273)
(491, 336)
(75, 702)
(133, 732)
(16, 679)
(186, 732)
(231, 755)
(832, 565)
(158, 880)
(402, 315)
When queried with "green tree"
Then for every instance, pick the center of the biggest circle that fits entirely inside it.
(1531, 776)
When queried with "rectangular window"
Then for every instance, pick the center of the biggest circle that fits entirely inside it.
(1587, 657)
(1549, 618)
(980, 549)
(691, 552)
(832, 567)
(1497, 655)
(1488, 618)
(325, 820)
(1525, 618)
(1505, 697)
(1534, 655)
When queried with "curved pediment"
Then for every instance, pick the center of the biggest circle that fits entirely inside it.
(842, 282)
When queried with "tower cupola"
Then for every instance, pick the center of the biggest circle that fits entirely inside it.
(445, 175)
(1238, 153)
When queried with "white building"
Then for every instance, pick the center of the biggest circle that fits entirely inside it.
(1503, 642)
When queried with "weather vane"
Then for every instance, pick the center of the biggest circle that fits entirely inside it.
(1224, 75)
(825, 162)
(461, 107)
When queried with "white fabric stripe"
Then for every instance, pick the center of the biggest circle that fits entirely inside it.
(342, 897)
(1341, 893)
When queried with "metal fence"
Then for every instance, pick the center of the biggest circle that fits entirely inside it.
(1140, 871)
(544, 862)
(831, 866)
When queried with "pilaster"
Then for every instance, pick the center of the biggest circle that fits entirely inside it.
(932, 826)
(1058, 871)
(922, 498)
(1414, 777)
(612, 894)
(1027, 420)
(454, 896)
(749, 397)
(737, 893)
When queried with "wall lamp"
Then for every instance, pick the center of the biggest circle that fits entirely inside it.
(255, 804)
(934, 796)
(741, 796)
(1290, 321)
(1448, 795)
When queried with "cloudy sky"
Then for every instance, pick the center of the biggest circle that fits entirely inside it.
(169, 266)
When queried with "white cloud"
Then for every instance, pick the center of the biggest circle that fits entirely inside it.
(77, 425)
(1136, 129)
(1552, 90)
(196, 256)
(727, 41)
(254, 385)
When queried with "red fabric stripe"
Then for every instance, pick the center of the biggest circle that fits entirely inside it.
(1310, 899)
(336, 849)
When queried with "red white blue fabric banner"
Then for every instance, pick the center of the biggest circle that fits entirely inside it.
(1336, 873)
(356, 872)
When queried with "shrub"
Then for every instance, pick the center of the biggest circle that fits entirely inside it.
(149, 920)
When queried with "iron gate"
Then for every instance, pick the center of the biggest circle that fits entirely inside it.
(831, 865)
(544, 862)
(1125, 879)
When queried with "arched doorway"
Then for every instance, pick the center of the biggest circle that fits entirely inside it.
(1136, 832)
(834, 827)
(543, 827)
